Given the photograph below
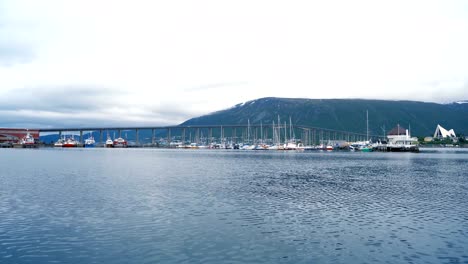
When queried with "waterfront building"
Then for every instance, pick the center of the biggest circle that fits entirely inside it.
(441, 133)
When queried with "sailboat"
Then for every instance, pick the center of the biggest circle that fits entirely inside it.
(276, 136)
(366, 146)
(290, 144)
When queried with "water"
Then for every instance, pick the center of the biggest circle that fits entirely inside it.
(189, 206)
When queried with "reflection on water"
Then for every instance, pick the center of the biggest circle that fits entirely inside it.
(179, 206)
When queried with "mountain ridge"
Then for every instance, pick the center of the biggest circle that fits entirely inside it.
(344, 114)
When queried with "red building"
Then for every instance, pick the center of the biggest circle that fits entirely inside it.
(12, 135)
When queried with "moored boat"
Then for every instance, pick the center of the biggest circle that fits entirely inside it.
(59, 143)
(25, 142)
(28, 141)
(70, 143)
(366, 149)
(120, 143)
(109, 142)
(399, 140)
(89, 142)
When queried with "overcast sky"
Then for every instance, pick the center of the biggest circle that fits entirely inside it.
(79, 63)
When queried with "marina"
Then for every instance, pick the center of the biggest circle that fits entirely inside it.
(245, 137)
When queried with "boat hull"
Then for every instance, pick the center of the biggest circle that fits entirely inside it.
(390, 148)
(19, 145)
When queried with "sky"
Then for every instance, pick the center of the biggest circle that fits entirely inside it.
(112, 62)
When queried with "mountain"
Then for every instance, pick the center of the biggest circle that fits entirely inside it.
(345, 114)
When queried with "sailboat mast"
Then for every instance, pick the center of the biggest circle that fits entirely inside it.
(273, 130)
(285, 133)
(367, 124)
(261, 132)
(290, 128)
(222, 135)
(279, 130)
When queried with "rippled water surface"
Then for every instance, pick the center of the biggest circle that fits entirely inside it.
(182, 206)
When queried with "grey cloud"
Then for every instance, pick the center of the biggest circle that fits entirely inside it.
(73, 106)
(19, 120)
(62, 99)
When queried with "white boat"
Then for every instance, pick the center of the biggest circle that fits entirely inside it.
(109, 142)
(401, 141)
(290, 145)
(25, 142)
(195, 145)
(248, 147)
(59, 143)
(28, 141)
(176, 144)
(273, 147)
(89, 142)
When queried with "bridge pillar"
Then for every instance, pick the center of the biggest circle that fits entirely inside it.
(81, 136)
(256, 135)
(234, 136)
(221, 131)
(153, 134)
(210, 135)
(168, 136)
(136, 136)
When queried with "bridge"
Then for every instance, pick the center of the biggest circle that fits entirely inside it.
(235, 133)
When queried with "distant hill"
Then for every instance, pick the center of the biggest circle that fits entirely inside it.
(345, 114)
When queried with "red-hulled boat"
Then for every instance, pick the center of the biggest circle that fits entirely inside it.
(70, 143)
(120, 143)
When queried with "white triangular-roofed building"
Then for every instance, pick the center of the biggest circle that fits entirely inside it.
(441, 132)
